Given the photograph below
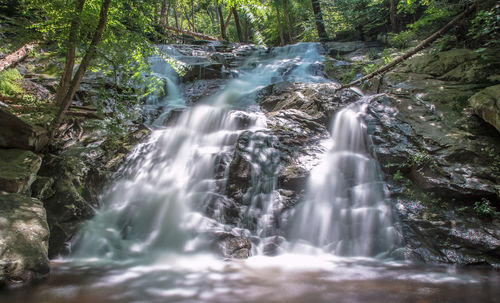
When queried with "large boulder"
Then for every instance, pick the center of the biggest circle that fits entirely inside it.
(486, 104)
(18, 169)
(17, 133)
(441, 179)
(24, 235)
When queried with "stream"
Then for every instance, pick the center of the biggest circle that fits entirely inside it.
(153, 238)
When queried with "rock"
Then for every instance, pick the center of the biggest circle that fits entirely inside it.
(18, 169)
(24, 235)
(235, 247)
(239, 176)
(486, 104)
(341, 48)
(438, 169)
(66, 207)
(42, 188)
(200, 68)
(69, 183)
(16, 133)
(460, 65)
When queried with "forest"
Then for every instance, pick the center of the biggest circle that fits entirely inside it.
(249, 150)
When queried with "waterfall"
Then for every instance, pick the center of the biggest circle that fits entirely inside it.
(346, 211)
(170, 195)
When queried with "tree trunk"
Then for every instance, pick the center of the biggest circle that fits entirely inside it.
(163, 18)
(282, 38)
(221, 21)
(414, 50)
(238, 25)
(393, 17)
(318, 18)
(190, 25)
(192, 16)
(246, 30)
(69, 63)
(89, 55)
(287, 20)
(175, 16)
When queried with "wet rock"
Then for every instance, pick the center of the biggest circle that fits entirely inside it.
(66, 208)
(235, 247)
(486, 104)
(18, 169)
(200, 68)
(272, 245)
(439, 169)
(318, 100)
(69, 183)
(239, 176)
(24, 235)
(196, 91)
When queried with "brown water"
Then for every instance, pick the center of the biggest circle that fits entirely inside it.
(288, 278)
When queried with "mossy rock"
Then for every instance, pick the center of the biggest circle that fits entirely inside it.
(24, 235)
(486, 104)
(18, 169)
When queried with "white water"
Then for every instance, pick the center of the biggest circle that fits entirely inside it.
(346, 209)
(171, 182)
(149, 241)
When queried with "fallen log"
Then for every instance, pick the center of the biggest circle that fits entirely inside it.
(190, 33)
(414, 50)
(17, 56)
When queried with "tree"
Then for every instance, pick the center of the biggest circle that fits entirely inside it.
(89, 55)
(318, 17)
(69, 65)
(280, 27)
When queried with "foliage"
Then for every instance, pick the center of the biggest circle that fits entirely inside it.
(403, 39)
(486, 26)
(9, 85)
(484, 209)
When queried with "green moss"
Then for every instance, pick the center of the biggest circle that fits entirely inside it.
(9, 85)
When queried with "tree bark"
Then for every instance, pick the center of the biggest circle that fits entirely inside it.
(89, 55)
(416, 49)
(163, 13)
(318, 18)
(221, 22)
(280, 27)
(287, 21)
(192, 15)
(69, 63)
(175, 16)
(393, 17)
(17, 56)
(238, 25)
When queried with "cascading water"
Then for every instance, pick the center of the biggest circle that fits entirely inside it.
(160, 202)
(148, 240)
(346, 209)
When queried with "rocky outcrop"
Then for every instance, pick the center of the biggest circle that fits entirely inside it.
(69, 183)
(18, 169)
(486, 104)
(24, 235)
(16, 133)
(442, 172)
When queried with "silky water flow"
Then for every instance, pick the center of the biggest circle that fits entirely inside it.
(152, 239)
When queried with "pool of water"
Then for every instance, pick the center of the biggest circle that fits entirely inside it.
(286, 278)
